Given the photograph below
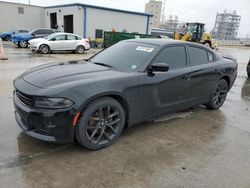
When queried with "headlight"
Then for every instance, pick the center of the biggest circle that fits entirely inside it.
(52, 103)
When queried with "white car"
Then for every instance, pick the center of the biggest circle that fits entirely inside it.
(60, 42)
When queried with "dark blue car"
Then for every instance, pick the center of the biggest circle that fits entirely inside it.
(7, 35)
(22, 39)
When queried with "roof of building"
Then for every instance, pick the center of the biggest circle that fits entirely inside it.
(99, 7)
(22, 4)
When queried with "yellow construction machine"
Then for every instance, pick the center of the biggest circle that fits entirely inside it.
(194, 32)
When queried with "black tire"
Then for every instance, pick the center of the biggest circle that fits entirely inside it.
(100, 124)
(23, 44)
(44, 49)
(18, 44)
(219, 95)
(80, 49)
(8, 38)
(248, 69)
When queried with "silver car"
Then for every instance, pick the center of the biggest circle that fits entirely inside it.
(60, 42)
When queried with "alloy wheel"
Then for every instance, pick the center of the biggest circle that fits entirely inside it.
(103, 125)
(220, 93)
(23, 44)
(44, 49)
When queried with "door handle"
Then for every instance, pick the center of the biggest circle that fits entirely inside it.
(187, 77)
(217, 70)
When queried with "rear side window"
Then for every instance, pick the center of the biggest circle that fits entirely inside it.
(71, 37)
(49, 32)
(39, 32)
(197, 56)
(175, 57)
(210, 56)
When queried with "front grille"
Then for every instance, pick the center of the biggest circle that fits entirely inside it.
(25, 99)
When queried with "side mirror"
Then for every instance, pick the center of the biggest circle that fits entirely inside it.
(159, 67)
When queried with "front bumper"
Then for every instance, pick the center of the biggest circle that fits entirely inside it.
(48, 125)
(33, 47)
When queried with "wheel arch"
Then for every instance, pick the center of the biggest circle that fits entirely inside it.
(228, 80)
(116, 96)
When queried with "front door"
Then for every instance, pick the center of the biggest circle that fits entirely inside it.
(68, 24)
(58, 42)
(53, 21)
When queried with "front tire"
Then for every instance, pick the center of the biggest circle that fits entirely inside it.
(80, 49)
(219, 95)
(8, 38)
(44, 49)
(100, 124)
(248, 69)
(23, 44)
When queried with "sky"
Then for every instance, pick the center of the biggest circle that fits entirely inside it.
(187, 10)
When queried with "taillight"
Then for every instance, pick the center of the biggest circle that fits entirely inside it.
(87, 40)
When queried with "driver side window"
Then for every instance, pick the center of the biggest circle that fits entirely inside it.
(59, 38)
(174, 56)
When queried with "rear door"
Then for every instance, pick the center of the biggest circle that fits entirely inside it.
(169, 91)
(204, 73)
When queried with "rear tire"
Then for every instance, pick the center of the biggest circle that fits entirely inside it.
(100, 124)
(218, 96)
(248, 69)
(80, 49)
(8, 38)
(44, 49)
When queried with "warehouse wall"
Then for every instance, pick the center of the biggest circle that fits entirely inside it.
(107, 19)
(61, 12)
(10, 19)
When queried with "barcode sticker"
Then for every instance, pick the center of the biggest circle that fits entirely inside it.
(144, 49)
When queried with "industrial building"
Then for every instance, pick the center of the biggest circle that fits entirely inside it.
(14, 16)
(82, 19)
(226, 25)
(154, 7)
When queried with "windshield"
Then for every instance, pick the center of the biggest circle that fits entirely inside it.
(126, 56)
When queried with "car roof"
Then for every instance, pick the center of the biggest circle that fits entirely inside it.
(62, 33)
(164, 42)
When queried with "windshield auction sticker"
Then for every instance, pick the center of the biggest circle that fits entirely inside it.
(144, 49)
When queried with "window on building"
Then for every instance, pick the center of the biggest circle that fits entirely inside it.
(99, 33)
(20, 10)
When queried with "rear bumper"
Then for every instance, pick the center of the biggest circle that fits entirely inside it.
(51, 126)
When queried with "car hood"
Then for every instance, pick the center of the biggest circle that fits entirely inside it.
(37, 40)
(6, 33)
(55, 74)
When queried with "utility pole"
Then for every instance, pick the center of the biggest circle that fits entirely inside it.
(29, 2)
(163, 12)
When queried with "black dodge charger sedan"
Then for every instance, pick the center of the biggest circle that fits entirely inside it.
(133, 81)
